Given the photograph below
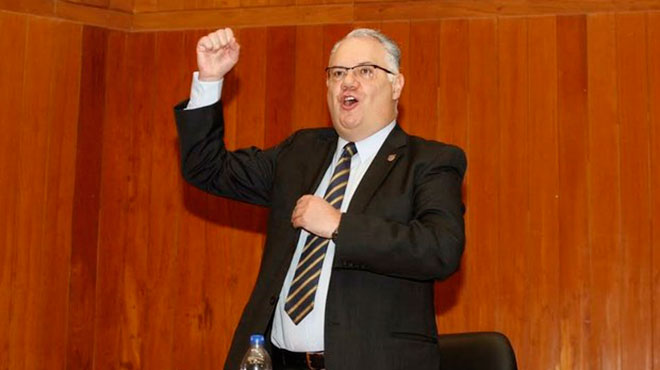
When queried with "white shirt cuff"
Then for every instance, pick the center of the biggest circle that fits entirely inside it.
(204, 93)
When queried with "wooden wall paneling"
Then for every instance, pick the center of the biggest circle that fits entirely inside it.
(373, 1)
(221, 289)
(424, 10)
(222, 292)
(400, 33)
(86, 202)
(193, 312)
(10, 5)
(543, 194)
(345, 2)
(604, 198)
(255, 3)
(114, 202)
(59, 188)
(96, 3)
(307, 2)
(243, 16)
(90, 15)
(151, 15)
(331, 34)
(230, 3)
(123, 5)
(203, 4)
(374, 10)
(578, 285)
(33, 143)
(452, 106)
(137, 118)
(310, 104)
(431, 9)
(573, 190)
(369, 24)
(513, 285)
(200, 4)
(170, 5)
(215, 4)
(37, 193)
(453, 82)
(99, 3)
(165, 207)
(41, 7)
(280, 77)
(653, 33)
(13, 31)
(248, 222)
(252, 88)
(422, 115)
(281, 2)
(143, 6)
(635, 191)
(482, 217)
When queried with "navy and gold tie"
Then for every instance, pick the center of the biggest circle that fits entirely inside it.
(300, 300)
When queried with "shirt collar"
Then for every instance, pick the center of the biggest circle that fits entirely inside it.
(369, 146)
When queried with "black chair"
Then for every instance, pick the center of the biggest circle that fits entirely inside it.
(476, 351)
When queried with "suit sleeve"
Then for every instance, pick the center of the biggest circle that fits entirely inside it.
(245, 175)
(430, 245)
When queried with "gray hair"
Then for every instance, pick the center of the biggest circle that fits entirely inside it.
(393, 53)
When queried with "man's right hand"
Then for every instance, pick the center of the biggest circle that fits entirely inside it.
(217, 53)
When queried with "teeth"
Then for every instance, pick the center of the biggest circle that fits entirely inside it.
(349, 99)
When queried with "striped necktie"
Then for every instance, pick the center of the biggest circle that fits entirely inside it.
(300, 300)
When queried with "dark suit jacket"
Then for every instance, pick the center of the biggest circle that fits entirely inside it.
(403, 230)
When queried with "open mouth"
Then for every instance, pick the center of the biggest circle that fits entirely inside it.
(348, 101)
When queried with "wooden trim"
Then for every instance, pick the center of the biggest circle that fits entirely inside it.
(262, 16)
(431, 9)
(94, 16)
(37, 7)
(359, 11)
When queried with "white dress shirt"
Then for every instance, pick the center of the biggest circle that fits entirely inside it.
(203, 93)
(307, 336)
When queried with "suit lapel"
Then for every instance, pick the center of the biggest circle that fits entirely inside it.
(388, 155)
(319, 160)
(311, 172)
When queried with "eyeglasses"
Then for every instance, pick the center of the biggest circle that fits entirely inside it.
(363, 72)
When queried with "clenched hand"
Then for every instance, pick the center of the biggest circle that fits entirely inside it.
(315, 215)
(217, 53)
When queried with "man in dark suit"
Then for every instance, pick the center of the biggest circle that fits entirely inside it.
(363, 217)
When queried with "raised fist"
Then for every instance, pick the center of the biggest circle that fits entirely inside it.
(217, 53)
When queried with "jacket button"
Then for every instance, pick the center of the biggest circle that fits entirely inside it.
(273, 299)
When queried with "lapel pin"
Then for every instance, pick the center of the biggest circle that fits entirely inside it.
(391, 157)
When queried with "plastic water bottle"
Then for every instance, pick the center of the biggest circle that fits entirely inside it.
(256, 357)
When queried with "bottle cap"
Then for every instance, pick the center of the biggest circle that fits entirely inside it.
(257, 339)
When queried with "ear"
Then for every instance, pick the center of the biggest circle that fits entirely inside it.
(397, 86)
